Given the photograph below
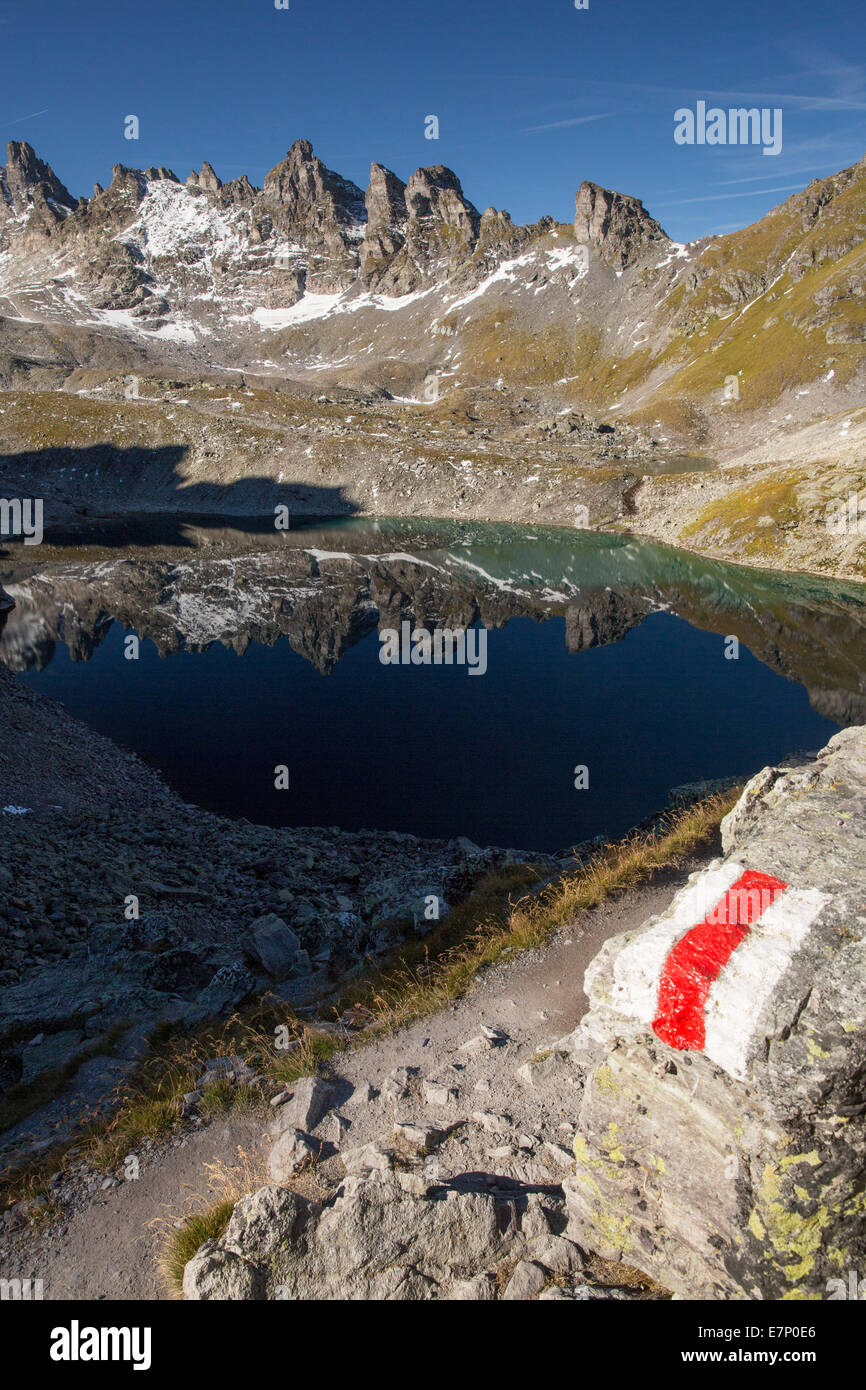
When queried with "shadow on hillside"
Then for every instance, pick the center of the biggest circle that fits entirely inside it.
(137, 496)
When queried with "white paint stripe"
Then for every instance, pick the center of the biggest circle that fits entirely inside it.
(638, 967)
(739, 996)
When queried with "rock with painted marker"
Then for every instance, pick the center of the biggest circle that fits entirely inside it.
(721, 1141)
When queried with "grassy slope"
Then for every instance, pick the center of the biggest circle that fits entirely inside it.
(763, 301)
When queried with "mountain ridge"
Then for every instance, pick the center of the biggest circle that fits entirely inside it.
(600, 349)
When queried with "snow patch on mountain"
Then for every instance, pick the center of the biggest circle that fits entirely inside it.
(506, 272)
(321, 306)
(311, 306)
(172, 217)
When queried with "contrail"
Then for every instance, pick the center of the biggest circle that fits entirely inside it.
(30, 116)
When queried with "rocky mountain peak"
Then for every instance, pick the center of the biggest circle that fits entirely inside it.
(387, 216)
(27, 180)
(415, 230)
(309, 193)
(206, 178)
(155, 173)
(239, 193)
(385, 200)
(498, 238)
(617, 225)
(231, 261)
(437, 192)
(301, 152)
(122, 175)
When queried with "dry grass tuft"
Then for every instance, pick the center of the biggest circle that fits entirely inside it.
(205, 1218)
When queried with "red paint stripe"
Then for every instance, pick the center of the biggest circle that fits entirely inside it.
(698, 957)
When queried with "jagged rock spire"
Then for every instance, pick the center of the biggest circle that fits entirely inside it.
(617, 225)
(307, 192)
(27, 180)
(385, 201)
(437, 192)
(412, 227)
(206, 178)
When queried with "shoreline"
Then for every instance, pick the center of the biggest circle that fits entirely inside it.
(77, 523)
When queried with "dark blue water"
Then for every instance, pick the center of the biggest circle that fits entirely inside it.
(436, 751)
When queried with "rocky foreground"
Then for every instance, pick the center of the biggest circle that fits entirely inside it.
(106, 1230)
(728, 1164)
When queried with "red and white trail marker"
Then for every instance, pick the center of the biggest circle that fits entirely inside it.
(703, 975)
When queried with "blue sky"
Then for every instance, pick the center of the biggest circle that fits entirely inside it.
(532, 96)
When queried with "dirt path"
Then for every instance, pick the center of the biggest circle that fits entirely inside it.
(105, 1246)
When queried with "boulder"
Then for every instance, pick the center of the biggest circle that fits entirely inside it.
(152, 932)
(292, 1151)
(721, 1144)
(274, 945)
(526, 1282)
(229, 985)
(375, 1241)
(232, 1069)
(417, 1140)
(311, 1097)
(404, 902)
(439, 1093)
(221, 1275)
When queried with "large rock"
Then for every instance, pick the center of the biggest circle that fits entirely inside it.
(291, 1152)
(227, 988)
(310, 1098)
(379, 1239)
(273, 944)
(721, 1143)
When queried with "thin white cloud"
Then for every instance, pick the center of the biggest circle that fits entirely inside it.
(30, 116)
(730, 197)
(829, 165)
(756, 178)
(848, 91)
(573, 120)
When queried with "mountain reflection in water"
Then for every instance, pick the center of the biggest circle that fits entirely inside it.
(601, 651)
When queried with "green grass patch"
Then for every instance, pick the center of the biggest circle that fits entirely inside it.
(753, 516)
(182, 1243)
